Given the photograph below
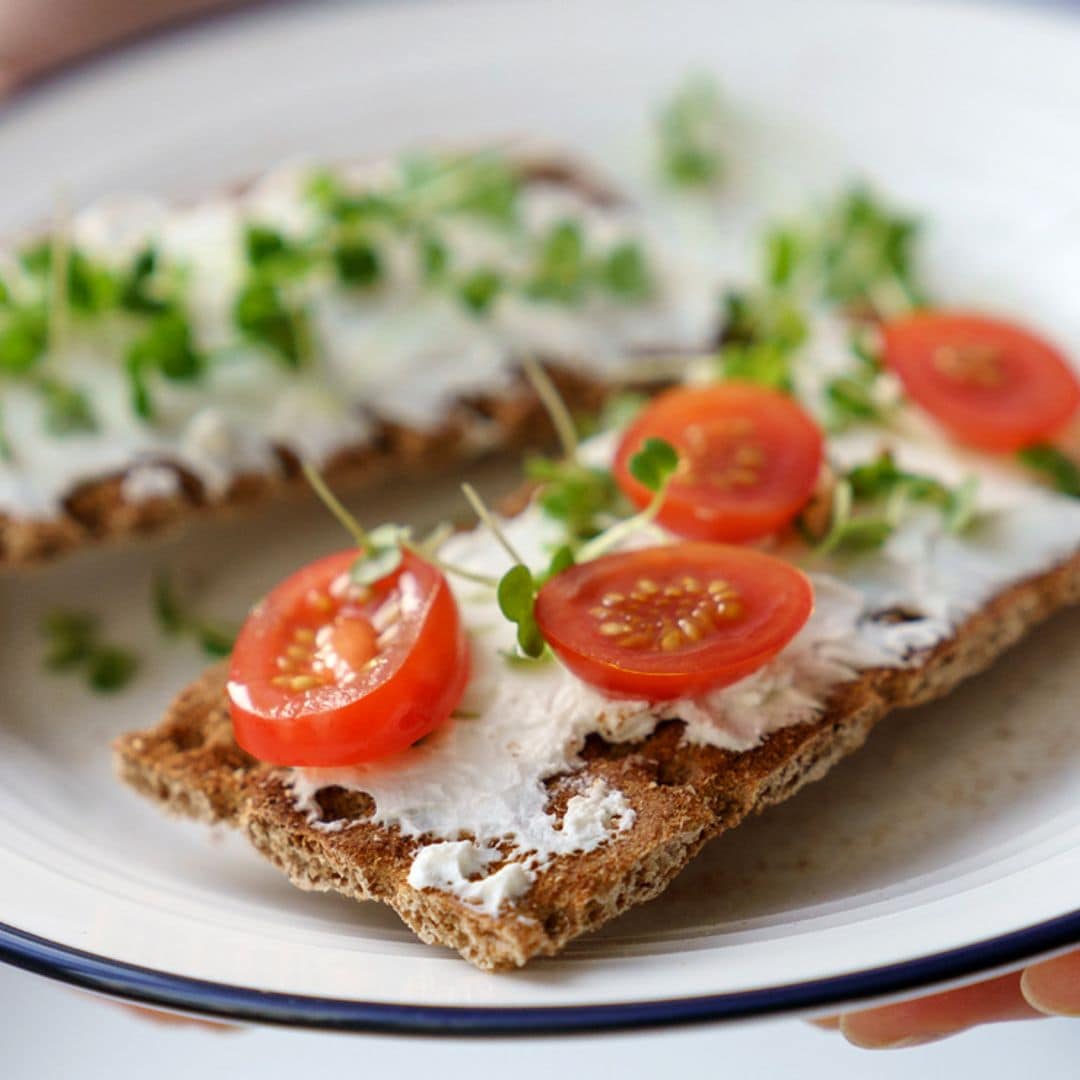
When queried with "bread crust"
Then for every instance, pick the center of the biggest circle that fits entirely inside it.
(682, 794)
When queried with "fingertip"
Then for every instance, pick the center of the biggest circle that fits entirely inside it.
(1053, 987)
(863, 1030)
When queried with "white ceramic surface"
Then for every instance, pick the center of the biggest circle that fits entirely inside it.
(957, 824)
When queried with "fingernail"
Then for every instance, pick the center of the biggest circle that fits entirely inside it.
(902, 1043)
(1050, 1008)
(826, 1023)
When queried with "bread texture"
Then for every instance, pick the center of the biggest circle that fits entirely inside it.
(97, 510)
(682, 794)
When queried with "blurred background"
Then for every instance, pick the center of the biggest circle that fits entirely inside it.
(48, 1030)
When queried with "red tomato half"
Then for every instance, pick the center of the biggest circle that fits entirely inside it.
(992, 384)
(328, 672)
(675, 621)
(750, 458)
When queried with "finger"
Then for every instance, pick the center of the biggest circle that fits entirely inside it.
(911, 1023)
(1053, 986)
(827, 1023)
(168, 1019)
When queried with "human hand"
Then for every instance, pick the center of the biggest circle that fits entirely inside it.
(1050, 988)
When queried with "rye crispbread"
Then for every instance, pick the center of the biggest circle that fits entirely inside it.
(682, 795)
(96, 511)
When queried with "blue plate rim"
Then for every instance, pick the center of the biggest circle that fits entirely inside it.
(223, 1001)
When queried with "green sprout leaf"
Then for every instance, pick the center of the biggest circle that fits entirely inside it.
(883, 490)
(177, 620)
(784, 249)
(67, 409)
(690, 135)
(1059, 470)
(111, 669)
(139, 286)
(851, 400)
(560, 273)
(575, 494)
(73, 642)
(262, 314)
(270, 253)
(357, 264)
(479, 290)
(763, 363)
(654, 463)
(91, 287)
(381, 555)
(70, 638)
(167, 348)
(24, 336)
(562, 560)
(516, 596)
(625, 273)
(434, 259)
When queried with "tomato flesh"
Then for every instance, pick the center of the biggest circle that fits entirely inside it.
(749, 460)
(994, 385)
(673, 621)
(328, 672)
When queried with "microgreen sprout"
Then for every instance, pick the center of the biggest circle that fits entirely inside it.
(690, 135)
(571, 491)
(178, 620)
(886, 491)
(59, 272)
(551, 399)
(73, 642)
(488, 519)
(381, 549)
(517, 598)
(67, 409)
(653, 466)
(1056, 467)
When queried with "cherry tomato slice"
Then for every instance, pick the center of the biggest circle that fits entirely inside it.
(675, 621)
(991, 383)
(750, 458)
(328, 672)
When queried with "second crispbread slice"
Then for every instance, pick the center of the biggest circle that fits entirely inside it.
(681, 794)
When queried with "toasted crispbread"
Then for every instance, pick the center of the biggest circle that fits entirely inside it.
(97, 511)
(682, 794)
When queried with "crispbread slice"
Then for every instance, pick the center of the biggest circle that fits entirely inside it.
(97, 511)
(682, 794)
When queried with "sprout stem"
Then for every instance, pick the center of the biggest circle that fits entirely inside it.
(58, 276)
(602, 544)
(556, 408)
(485, 515)
(334, 505)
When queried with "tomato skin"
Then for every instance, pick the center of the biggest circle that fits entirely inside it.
(408, 696)
(1024, 392)
(700, 502)
(775, 597)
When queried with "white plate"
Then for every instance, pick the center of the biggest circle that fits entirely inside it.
(950, 846)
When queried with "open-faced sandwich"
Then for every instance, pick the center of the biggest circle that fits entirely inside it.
(513, 734)
(159, 360)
